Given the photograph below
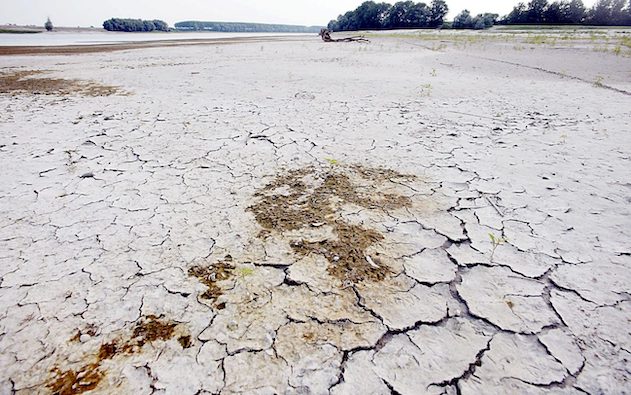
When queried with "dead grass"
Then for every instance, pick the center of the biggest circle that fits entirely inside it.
(31, 82)
(210, 276)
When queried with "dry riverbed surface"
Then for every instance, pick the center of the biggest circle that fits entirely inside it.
(427, 213)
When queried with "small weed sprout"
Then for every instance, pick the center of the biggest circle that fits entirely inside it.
(433, 73)
(332, 162)
(426, 90)
(245, 271)
(495, 242)
(598, 82)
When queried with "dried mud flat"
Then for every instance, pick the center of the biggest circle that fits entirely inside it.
(415, 215)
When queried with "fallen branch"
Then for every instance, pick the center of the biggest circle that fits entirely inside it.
(326, 37)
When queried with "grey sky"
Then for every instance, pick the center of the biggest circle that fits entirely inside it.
(303, 12)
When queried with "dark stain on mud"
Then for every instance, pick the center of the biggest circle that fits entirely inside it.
(210, 276)
(153, 329)
(71, 382)
(347, 254)
(148, 330)
(30, 82)
(308, 197)
(90, 330)
(185, 341)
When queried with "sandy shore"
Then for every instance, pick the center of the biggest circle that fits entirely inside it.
(97, 48)
(422, 214)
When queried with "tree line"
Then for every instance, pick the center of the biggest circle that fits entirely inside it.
(135, 25)
(401, 15)
(244, 27)
(604, 12)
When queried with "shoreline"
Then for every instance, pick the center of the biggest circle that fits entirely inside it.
(95, 48)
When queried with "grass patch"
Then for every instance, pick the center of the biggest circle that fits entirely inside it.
(540, 39)
(557, 27)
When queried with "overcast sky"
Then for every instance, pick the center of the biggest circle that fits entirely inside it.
(301, 12)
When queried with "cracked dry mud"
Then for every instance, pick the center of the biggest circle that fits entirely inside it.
(296, 217)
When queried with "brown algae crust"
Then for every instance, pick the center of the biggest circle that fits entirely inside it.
(88, 377)
(309, 197)
(31, 82)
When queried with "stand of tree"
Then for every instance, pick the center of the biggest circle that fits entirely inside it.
(464, 20)
(134, 25)
(402, 15)
(238, 27)
(572, 12)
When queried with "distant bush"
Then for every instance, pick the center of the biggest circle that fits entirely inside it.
(134, 25)
(479, 22)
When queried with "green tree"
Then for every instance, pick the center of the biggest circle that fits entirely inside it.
(463, 20)
(420, 15)
(618, 12)
(400, 15)
(554, 13)
(575, 12)
(536, 11)
(438, 11)
(600, 14)
(518, 15)
(371, 15)
(48, 25)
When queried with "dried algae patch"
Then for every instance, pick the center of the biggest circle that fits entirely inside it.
(347, 255)
(30, 82)
(210, 276)
(185, 341)
(76, 382)
(153, 329)
(310, 197)
(88, 377)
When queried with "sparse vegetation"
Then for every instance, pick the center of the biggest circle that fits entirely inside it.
(495, 242)
(599, 81)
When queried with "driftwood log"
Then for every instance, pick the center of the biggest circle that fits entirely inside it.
(326, 37)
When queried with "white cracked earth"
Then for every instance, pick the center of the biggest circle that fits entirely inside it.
(508, 267)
